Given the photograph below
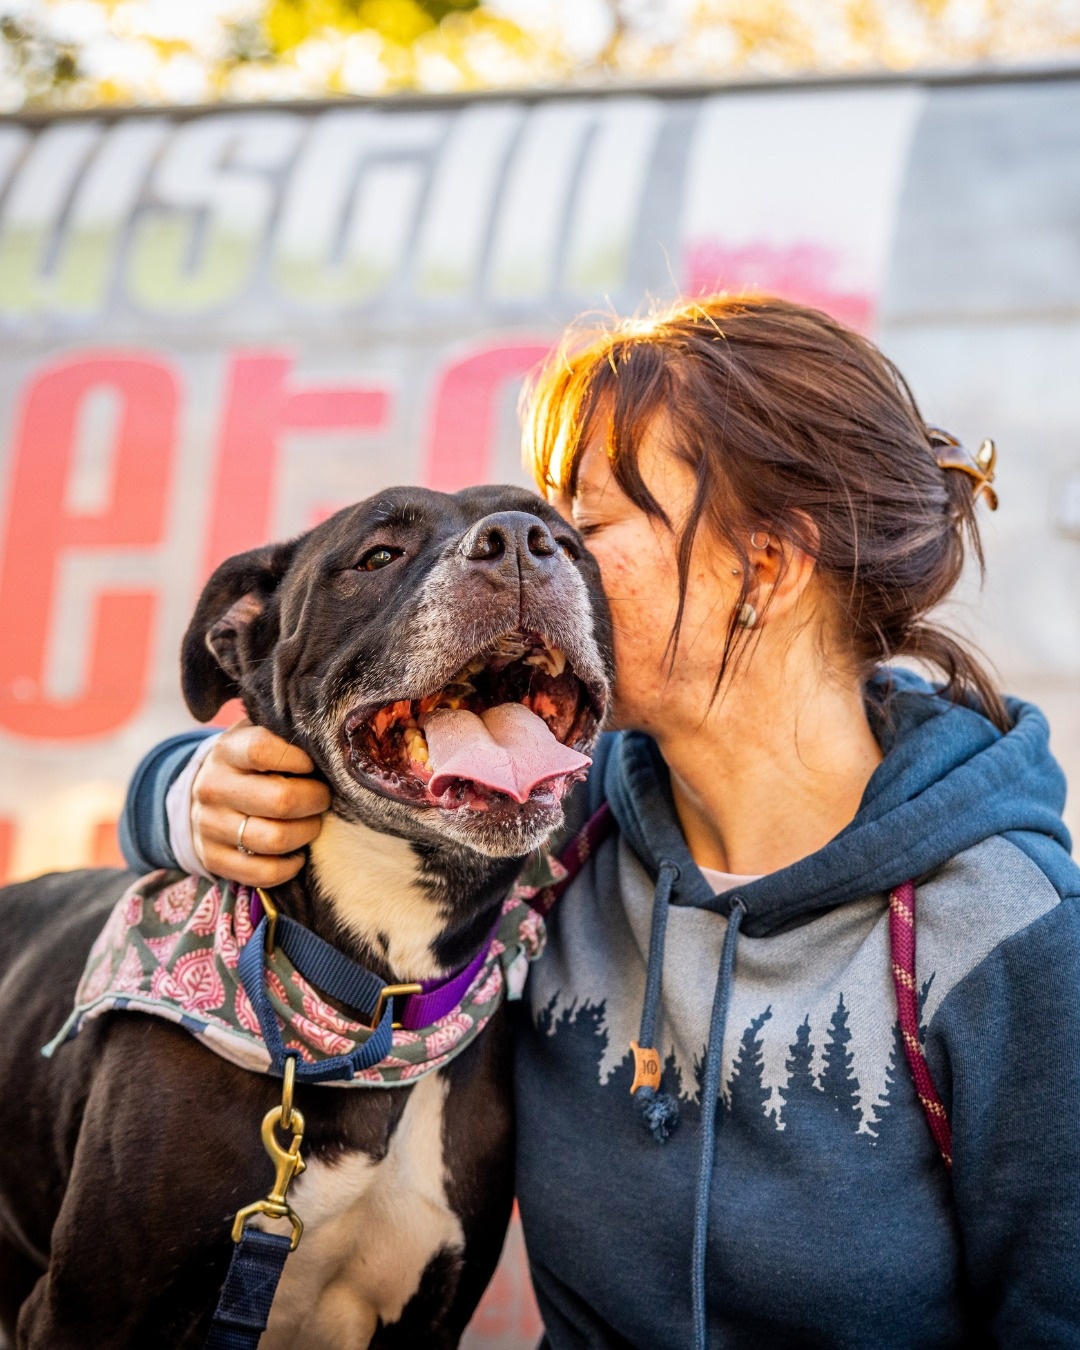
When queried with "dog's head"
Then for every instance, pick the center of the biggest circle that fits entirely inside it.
(445, 660)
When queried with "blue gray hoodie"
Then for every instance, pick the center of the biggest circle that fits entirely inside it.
(829, 1216)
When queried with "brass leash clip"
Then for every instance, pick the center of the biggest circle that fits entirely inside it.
(287, 1162)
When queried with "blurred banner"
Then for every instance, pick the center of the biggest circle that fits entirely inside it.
(218, 327)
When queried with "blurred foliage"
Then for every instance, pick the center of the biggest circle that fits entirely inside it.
(72, 53)
(40, 63)
(288, 23)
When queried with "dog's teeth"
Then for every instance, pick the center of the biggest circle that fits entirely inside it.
(551, 660)
(416, 744)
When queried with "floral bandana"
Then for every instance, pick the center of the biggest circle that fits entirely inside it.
(172, 943)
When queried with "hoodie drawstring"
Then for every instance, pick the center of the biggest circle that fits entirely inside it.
(710, 1094)
(659, 1110)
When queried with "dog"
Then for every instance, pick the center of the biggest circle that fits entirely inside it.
(126, 1154)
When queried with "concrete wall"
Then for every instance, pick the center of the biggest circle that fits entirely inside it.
(982, 311)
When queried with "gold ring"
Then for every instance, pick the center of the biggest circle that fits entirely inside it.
(240, 838)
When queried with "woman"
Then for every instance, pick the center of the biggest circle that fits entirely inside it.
(774, 522)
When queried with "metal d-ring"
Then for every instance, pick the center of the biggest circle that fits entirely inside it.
(388, 992)
(270, 910)
(288, 1082)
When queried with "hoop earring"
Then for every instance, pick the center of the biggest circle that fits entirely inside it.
(754, 539)
(747, 617)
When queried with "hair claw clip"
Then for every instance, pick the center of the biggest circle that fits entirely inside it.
(979, 467)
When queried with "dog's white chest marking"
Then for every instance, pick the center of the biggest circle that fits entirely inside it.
(372, 881)
(370, 1230)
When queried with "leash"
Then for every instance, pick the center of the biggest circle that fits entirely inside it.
(599, 826)
(902, 953)
(258, 1258)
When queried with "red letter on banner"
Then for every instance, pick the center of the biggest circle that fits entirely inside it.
(259, 409)
(463, 430)
(40, 530)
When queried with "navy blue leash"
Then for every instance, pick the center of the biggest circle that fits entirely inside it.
(258, 1258)
(248, 1292)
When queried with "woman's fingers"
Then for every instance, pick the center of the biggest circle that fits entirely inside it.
(255, 750)
(244, 773)
(243, 778)
(258, 870)
(221, 825)
(258, 794)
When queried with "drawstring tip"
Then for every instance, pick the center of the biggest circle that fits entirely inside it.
(659, 1111)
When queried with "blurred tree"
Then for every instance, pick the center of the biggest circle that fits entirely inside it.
(37, 63)
(63, 53)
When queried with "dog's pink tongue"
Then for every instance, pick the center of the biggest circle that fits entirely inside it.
(507, 748)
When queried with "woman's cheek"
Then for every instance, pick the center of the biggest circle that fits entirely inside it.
(641, 629)
(641, 583)
(633, 569)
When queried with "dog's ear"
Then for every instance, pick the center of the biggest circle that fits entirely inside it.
(227, 632)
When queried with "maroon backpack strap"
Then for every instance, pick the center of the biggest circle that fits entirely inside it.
(575, 855)
(902, 952)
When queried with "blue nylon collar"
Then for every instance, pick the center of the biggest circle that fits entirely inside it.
(335, 974)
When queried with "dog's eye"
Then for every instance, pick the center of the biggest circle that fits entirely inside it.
(568, 548)
(379, 557)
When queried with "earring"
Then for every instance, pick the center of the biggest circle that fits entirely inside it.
(760, 534)
(747, 615)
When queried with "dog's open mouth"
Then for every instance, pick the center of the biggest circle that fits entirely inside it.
(508, 727)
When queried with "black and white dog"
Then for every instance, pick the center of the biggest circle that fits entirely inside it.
(126, 1154)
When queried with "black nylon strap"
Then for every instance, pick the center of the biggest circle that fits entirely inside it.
(248, 1292)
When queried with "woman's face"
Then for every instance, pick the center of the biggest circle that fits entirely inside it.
(637, 558)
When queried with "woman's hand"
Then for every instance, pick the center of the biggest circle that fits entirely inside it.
(243, 775)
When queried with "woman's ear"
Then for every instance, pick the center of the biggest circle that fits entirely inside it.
(233, 627)
(781, 567)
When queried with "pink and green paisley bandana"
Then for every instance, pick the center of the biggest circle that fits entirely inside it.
(172, 943)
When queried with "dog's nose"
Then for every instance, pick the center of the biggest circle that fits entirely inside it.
(511, 542)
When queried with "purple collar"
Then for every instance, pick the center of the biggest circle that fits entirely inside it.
(439, 997)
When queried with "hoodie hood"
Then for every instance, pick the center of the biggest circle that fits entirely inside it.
(949, 780)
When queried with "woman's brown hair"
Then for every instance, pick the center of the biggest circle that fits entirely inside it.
(792, 424)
